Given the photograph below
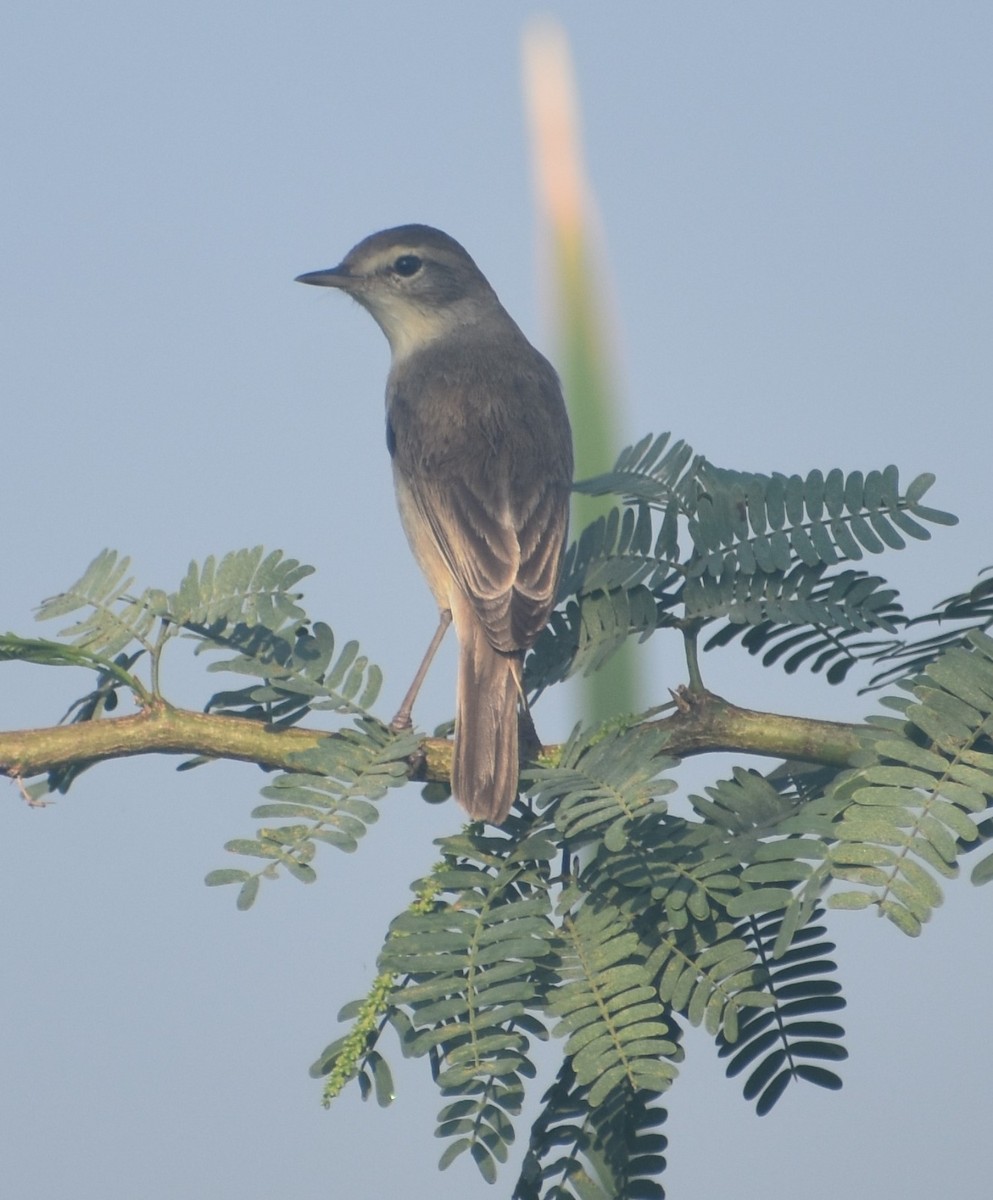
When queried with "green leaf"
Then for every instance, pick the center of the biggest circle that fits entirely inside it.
(982, 872)
(771, 1043)
(247, 893)
(229, 875)
(115, 618)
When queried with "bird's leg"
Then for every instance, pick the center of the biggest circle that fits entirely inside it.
(402, 720)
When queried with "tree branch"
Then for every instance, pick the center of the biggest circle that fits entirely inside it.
(701, 723)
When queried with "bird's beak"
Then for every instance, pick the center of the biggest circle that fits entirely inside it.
(333, 277)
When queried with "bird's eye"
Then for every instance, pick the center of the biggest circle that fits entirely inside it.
(407, 265)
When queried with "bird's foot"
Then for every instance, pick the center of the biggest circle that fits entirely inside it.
(402, 722)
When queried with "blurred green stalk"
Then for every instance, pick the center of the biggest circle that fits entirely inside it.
(584, 364)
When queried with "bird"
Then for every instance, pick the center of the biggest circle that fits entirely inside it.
(481, 449)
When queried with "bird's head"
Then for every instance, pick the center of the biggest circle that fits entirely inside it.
(417, 282)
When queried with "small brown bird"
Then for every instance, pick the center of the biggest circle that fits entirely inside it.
(482, 464)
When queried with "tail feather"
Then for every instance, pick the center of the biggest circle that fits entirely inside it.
(485, 762)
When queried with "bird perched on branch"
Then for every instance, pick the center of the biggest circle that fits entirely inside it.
(482, 465)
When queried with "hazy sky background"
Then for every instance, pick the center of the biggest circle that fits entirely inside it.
(796, 200)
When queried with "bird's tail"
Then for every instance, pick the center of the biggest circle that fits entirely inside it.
(485, 763)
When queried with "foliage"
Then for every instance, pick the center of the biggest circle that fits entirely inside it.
(598, 915)
(965, 612)
(788, 1031)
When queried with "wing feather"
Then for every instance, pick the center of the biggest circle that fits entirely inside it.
(486, 459)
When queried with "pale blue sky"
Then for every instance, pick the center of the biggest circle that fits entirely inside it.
(796, 201)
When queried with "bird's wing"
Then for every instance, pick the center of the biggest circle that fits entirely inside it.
(504, 552)
(481, 442)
